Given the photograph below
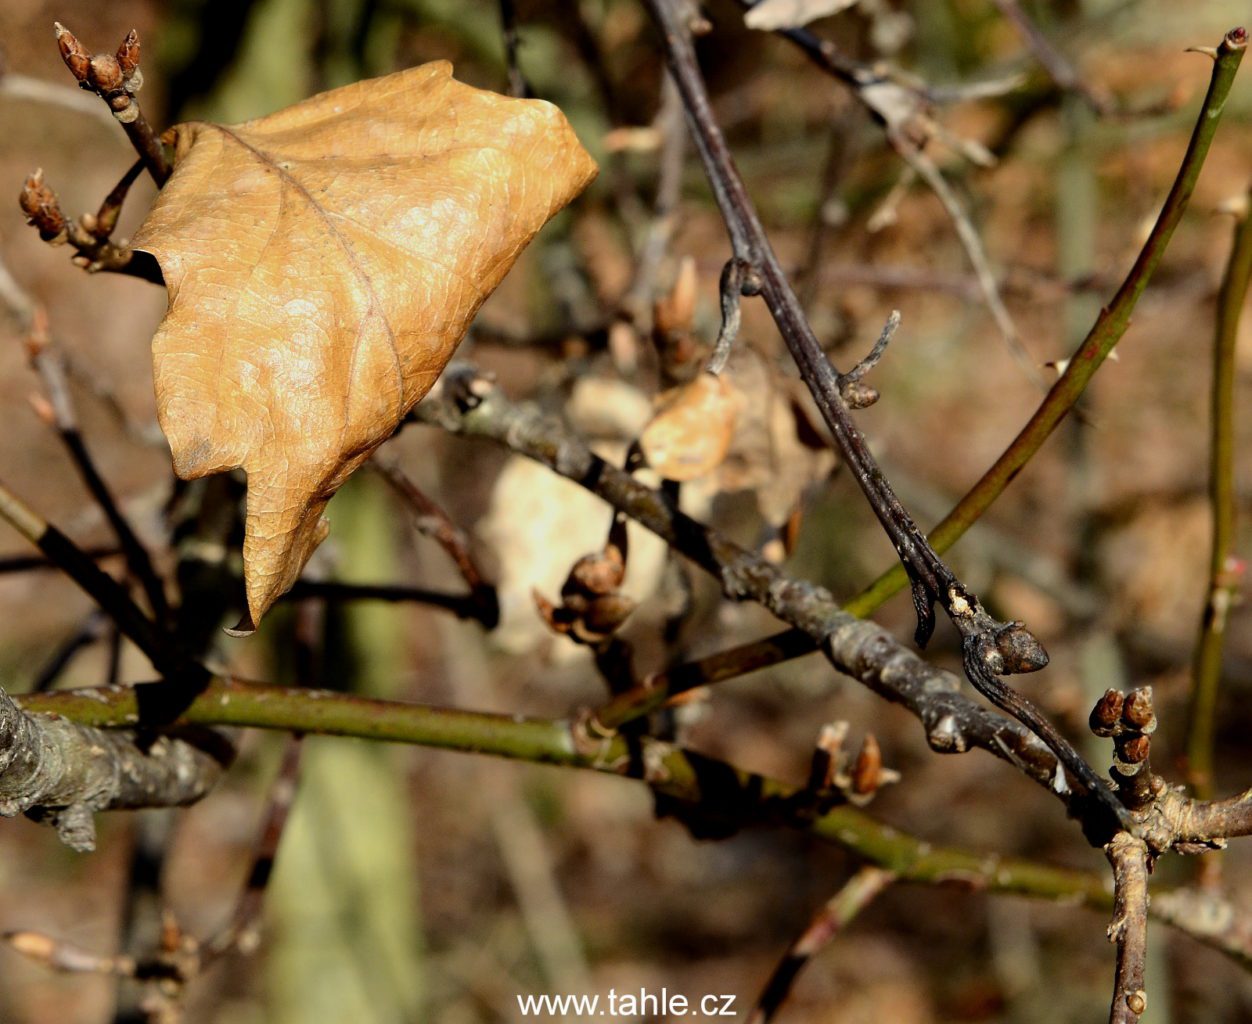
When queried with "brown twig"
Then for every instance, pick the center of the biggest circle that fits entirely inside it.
(1129, 858)
(431, 520)
(1058, 67)
(242, 933)
(87, 235)
(659, 689)
(842, 908)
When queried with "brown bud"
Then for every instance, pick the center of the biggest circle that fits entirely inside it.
(1135, 749)
(606, 614)
(106, 73)
(171, 933)
(600, 573)
(1107, 713)
(1137, 1002)
(42, 209)
(128, 54)
(33, 944)
(858, 395)
(75, 55)
(674, 313)
(1138, 712)
(1019, 649)
(867, 770)
(42, 409)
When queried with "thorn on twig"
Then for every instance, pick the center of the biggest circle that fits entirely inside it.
(855, 393)
(739, 277)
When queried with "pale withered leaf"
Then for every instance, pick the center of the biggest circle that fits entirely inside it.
(322, 264)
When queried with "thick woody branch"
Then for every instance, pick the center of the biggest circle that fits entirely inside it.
(55, 770)
(1129, 858)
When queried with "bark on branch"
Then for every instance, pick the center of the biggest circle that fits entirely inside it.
(54, 770)
(953, 721)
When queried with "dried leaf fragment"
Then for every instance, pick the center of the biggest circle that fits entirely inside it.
(322, 264)
(771, 15)
(692, 430)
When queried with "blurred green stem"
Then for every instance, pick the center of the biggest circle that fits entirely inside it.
(1109, 327)
(1225, 571)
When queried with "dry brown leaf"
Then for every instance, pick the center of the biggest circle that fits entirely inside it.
(691, 432)
(322, 264)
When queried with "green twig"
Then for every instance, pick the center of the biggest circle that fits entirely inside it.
(1225, 569)
(1109, 327)
(691, 780)
(683, 775)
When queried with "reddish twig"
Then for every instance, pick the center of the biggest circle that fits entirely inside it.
(860, 890)
(435, 523)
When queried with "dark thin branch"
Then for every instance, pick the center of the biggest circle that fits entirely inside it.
(992, 648)
(169, 659)
(462, 606)
(518, 86)
(48, 362)
(657, 690)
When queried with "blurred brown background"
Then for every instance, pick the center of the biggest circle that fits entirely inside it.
(424, 886)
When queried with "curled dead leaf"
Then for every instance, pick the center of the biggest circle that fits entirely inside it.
(691, 432)
(322, 265)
